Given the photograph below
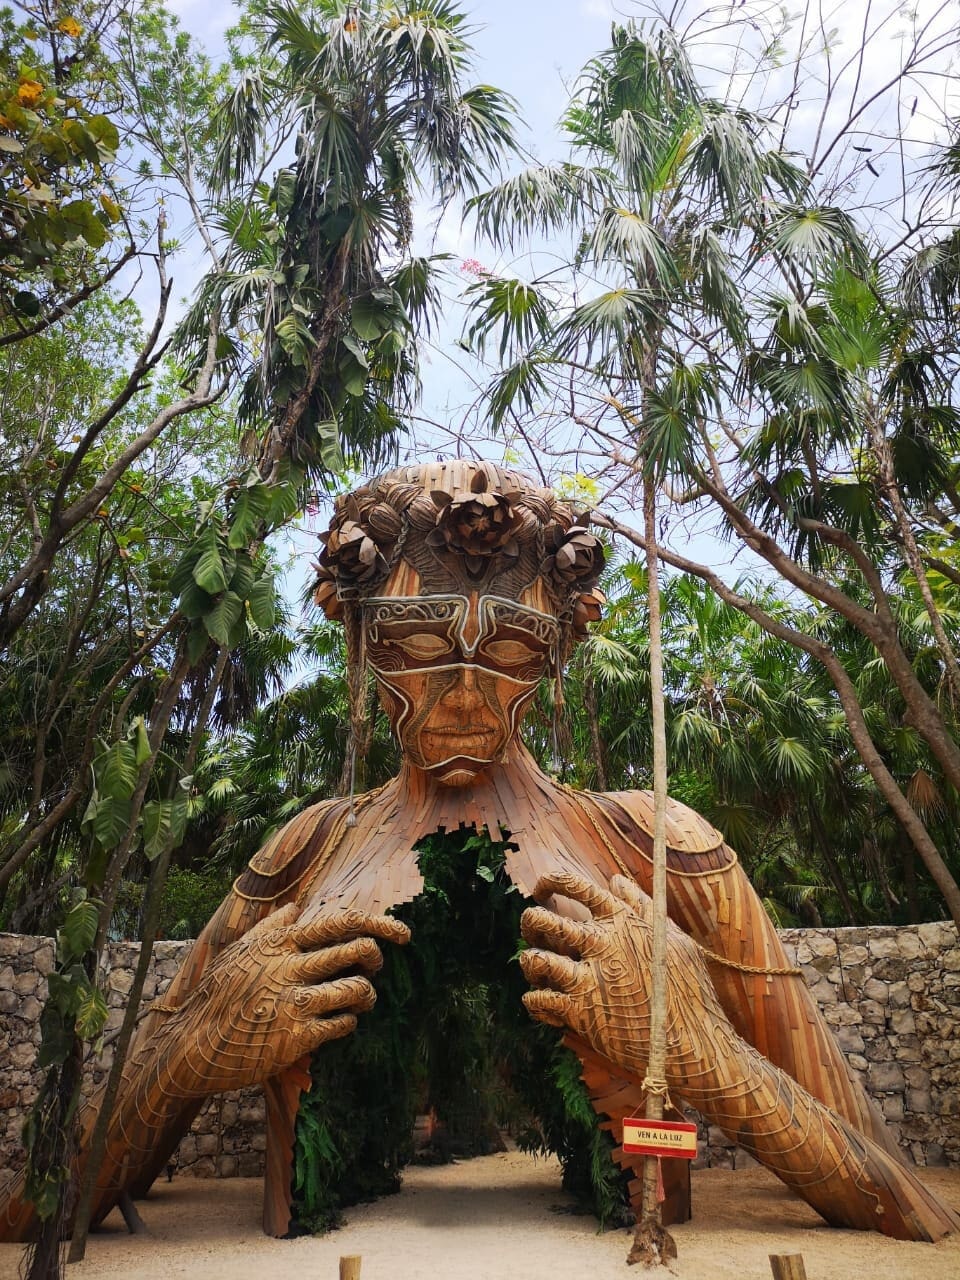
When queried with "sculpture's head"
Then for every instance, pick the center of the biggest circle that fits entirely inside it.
(460, 585)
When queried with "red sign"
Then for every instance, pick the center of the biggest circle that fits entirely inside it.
(660, 1138)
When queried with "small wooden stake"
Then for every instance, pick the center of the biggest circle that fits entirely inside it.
(787, 1266)
(350, 1267)
(135, 1224)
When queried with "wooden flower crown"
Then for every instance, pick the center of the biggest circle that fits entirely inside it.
(463, 527)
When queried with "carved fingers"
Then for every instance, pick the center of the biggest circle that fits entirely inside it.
(341, 926)
(315, 966)
(341, 995)
(599, 902)
(588, 975)
(543, 928)
(277, 993)
(552, 1007)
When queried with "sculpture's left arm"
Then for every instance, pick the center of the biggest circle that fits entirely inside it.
(593, 978)
(765, 998)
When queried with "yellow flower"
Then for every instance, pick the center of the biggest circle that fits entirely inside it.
(29, 92)
(69, 27)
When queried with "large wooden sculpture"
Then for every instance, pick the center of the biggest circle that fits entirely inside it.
(460, 586)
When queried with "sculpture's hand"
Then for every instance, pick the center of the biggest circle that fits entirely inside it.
(273, 996)
(593, 977)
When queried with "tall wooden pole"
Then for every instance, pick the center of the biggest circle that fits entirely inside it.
(653, 1245)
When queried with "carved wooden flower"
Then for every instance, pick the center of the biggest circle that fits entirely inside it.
(577, 556)
(325, 593)
(352, 554)
(588, 608)
(475, 523)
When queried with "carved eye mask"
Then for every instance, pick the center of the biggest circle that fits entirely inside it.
(422, 633)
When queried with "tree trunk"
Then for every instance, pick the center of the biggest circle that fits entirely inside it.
(151, 924)
(593, 721)
(652, 1244)
(833, 869)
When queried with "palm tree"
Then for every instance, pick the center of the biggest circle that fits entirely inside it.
(817, 423)
(374, 100)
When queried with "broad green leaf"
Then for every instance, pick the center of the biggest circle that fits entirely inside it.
(354, 377)
(331, 453)
(262, 602)
(78, 931)
(194, 601)
(223, 616)
(116, 771)
(92, 1011)
(284, 501)
(209, 570)
(369, 317)
(157, 816)
(243, 576)
(111, 820)
(27, 303)
(44, 1190)
(197, 642)
(246, 515)
(356, 350)
(183, 573)
(142, 749)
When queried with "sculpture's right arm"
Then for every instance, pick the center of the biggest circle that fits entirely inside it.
(262, 1003)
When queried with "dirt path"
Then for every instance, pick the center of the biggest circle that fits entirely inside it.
(493, 1219)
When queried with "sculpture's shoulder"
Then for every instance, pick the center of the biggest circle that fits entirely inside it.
(694, 847)
(276, 870)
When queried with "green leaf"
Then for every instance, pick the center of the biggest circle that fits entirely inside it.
(116, 771)
(249, 510)
(197, 642)
(370, 318)
(243, 576)
(158, 826)
(44, 1190)
(223, 616)
(92, 1011)
(111, 819)
(183, 573)
(284, 501)
(353, 346)
(209, 570)
(79, 930)
(331, 454)
(141, 749)
(83, 222)
(354, 378)
(262, 602)
(194, 601)
(26, 303)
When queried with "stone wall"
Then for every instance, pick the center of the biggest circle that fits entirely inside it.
(227, 1138)
(892, 996)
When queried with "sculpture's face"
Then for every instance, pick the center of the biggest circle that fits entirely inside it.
(455, 675)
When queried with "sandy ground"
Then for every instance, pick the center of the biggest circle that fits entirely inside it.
(497, 1218)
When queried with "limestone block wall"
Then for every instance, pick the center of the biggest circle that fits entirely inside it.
(892, 998)
(891, 995)
(227, 1138)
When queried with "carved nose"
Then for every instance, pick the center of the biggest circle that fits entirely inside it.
(464, 695)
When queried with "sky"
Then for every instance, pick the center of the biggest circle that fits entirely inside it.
(534, 50)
